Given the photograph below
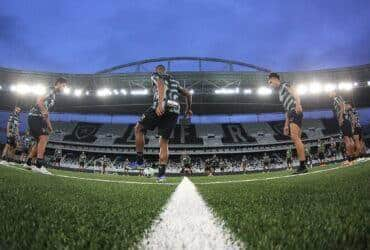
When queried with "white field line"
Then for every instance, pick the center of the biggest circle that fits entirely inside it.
(98, 180)
(187, 223)
(270, 178)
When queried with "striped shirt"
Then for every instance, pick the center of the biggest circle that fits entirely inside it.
(49, 102)
(172, 90)
(337, 102)
(286, 98)
(355, 120)
(13, 124)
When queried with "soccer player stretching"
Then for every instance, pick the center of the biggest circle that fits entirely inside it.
(12, 134)
(345, 125)
(40, 126)
(293, 116)
(162, 114)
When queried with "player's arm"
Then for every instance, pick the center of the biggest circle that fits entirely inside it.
(159, 82)
(297, 98)
(44, 111)
(189, 101)
(286, 125)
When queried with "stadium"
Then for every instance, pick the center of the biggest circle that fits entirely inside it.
(184, 125)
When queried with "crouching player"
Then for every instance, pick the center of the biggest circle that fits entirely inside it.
(40, 126)
(294, 116)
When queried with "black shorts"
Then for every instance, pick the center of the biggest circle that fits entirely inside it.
(82, 164)
(11, 141)
(321, 155)
(37, 126)
(295, 117)
(346, 128)
(165, 123)
(58, 159)
(25, 150)
(289, 160)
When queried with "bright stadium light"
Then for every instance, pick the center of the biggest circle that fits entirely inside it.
(355, 84)
(191, 91)
(39, 90)
(67, 90)
(77, 92)
(104, 92)
(227, 91)
(13, 88)
(330, 87)
(264, 91)
(315, 88)
(302, 89)
(139, 92)
(368, 83)
(87, 93)
(1, 87)
(345, 86)
(123, 92)
(115, 92)
(247, 91)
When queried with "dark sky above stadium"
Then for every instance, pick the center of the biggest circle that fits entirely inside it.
(89, 35)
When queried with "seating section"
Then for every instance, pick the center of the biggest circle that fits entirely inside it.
(190, 134)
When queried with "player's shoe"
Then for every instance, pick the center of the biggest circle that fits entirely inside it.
(161, 179)
(300, 170)
(41, 170)
(3, 162)
(137, 165)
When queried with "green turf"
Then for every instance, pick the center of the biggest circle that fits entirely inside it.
(38, 211)
(329, 210)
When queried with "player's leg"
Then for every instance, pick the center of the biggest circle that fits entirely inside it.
(148, 121)
(163, 156)
(41, 147)
(5, 152)
(358, 145)
(166, 125)
(295, 135)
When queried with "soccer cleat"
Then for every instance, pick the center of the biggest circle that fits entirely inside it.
(41, 170)
(3, 162)
(136, 165)
(300, 171)
(161, 178)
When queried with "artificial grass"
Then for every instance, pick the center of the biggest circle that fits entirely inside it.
(329, 210)
(38, 212)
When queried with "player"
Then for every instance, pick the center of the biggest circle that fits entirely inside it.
(333, 149)
(244, 164)
(266, 163)
(294, 116)
(82, 160)
(58, 154)
(289, 158)
(321, 152)
(162, 114)
(105, 163)
(357, 130)
(186, 165)
(345, 125)
(208, 167)
(12, 134)
(307, 151)
(40, 126)
(27, 142)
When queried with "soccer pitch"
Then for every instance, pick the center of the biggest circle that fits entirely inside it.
(328, 208)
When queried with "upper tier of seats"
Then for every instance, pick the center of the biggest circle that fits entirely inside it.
(198, 134)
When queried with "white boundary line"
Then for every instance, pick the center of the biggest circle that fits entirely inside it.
(186, 222)
(196, 183)
(100, 180)
(270, 178)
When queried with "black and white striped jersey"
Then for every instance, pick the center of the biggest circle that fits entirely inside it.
(286, 98)
(353, 115)
(337, 102)
(172, 92)
(13, 124)
(48, 103)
